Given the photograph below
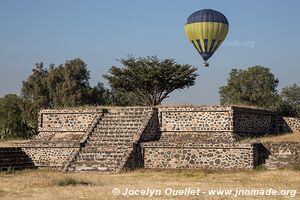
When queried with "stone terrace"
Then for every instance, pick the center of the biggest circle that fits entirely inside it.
(110, 139)
(208, 137)
(103, 139)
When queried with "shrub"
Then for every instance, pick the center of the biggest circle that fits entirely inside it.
(71, 182)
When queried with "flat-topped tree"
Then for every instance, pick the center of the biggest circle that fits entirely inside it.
(151, 79)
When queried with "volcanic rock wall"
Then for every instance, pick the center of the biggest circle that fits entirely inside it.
(60, 132)
(171, 137)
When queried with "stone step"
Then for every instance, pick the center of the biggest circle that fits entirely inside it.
(124, 118)
(99, 152)
(112, 134)
(110, 162)
(107, 148)
(96, 150)
(95, 166)
(131, 109)
(117, 121)
(128, 118)
(101, 144)
(100, 137)
(112, 139)
(281, 158)
(95, 155)
(270, 162)
(104, 142)
(120, 125)
(143, 113)
(277, 162)
(103, 158)
(271, 167)
(120, 143)
(115, 128)
(272, 157)
(284, 153)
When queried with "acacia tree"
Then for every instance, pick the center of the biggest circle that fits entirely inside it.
(150, 79)
(255, 86)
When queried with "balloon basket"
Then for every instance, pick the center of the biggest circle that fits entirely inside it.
(205, 64)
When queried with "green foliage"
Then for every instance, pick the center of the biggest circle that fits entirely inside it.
(286, 109)
(98, 95)
(255, 86)
(296, 167)
(35, 88)
(71, 182)
(291, 97)
(68, 84)
(259, 167)
(150, 79)
(119, 98)
(12, 123)
(291, 94)
(65, 85)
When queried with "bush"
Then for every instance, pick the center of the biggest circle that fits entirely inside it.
(71, 182)
(259, 168)
(286, 109)
(296, 167)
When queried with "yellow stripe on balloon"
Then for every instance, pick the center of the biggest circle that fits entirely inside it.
(206, 30)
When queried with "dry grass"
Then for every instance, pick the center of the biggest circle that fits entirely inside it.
(47, 184)
(44, 184)
(288, 137)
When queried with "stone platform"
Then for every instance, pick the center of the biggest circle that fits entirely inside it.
(111, 139)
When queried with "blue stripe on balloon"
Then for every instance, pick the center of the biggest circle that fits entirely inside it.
(207, 15)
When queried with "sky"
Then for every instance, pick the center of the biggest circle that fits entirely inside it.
(100, 32)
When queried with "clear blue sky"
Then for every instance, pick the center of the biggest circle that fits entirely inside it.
(99, 32)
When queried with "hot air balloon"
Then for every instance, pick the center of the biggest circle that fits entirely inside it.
(206, 29)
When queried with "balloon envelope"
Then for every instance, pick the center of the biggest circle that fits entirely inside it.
(206, 29)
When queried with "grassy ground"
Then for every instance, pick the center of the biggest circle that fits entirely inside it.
(46, 184)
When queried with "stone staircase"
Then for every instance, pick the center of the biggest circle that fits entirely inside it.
(112, 141)
(13, 158)
(281, 160)
(282, 155)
